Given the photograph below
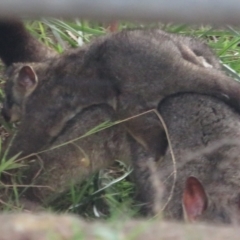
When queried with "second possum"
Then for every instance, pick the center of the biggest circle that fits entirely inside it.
(204, 134)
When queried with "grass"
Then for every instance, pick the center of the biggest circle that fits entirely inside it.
(108, 194)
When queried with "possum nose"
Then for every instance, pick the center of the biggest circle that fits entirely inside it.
(6, 114)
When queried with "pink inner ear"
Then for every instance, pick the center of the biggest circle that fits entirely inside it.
(26, 77)
(194, 199)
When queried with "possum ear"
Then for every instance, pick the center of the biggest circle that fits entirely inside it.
(194, 200)
(26, 80)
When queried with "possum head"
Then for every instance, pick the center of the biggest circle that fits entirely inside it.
(21, 83)
(42, 108)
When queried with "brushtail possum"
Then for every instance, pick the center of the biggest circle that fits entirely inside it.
(204, 134)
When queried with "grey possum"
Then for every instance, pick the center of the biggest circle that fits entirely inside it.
(130, 70)
(205, 134)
